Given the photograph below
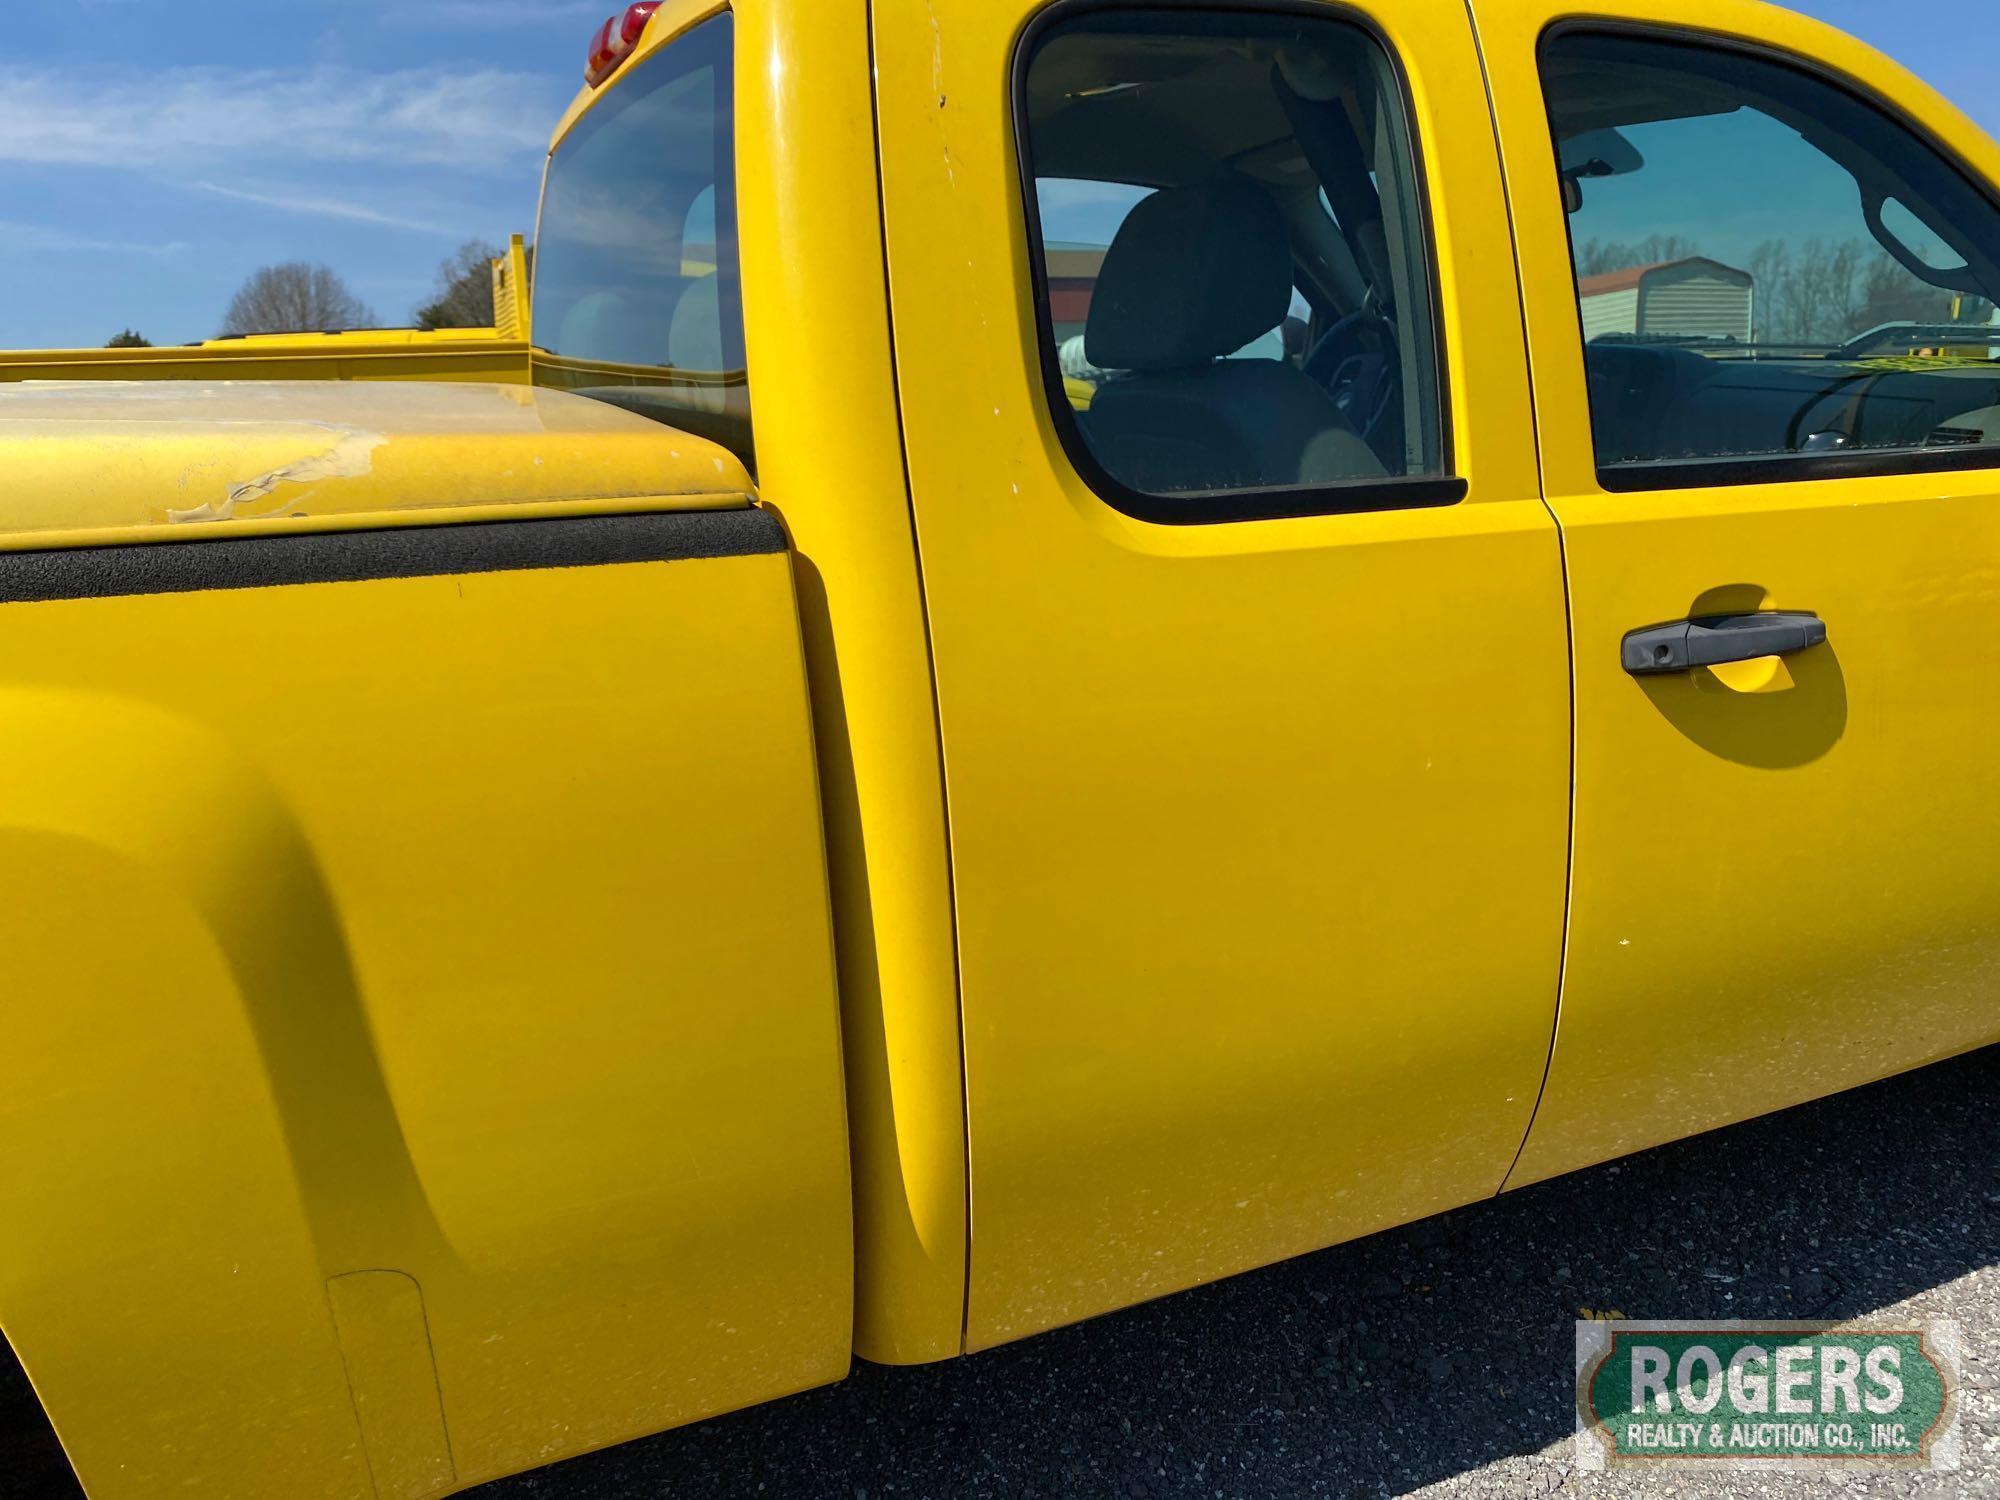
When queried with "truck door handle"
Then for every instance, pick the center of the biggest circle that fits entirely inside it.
(1715, 639)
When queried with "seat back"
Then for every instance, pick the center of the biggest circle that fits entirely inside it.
(1192, 276)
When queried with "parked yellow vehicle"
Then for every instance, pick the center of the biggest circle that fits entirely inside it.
(498, 354)
(830, 825)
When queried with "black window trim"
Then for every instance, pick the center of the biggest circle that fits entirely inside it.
(1217, 507)
(1739, 470)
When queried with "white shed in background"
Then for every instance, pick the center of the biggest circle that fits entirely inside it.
(1694, 298)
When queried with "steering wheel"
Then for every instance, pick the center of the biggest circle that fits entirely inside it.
(1357, 363)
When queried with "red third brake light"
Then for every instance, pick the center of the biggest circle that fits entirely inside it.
(615, 40)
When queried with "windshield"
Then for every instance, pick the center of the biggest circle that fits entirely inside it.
(638, 299)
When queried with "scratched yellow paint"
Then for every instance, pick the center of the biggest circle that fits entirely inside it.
(96, 463)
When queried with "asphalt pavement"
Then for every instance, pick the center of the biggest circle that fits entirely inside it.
(1433, 1360)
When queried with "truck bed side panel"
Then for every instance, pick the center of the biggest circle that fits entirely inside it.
(422, 1055)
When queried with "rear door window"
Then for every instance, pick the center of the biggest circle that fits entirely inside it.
(1234, 275)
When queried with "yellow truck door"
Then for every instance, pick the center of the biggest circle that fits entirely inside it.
(1759, 266)
(1253, 675)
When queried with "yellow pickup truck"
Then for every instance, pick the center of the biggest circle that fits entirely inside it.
(1120, 639)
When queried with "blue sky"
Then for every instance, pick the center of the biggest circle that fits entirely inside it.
(155, 152)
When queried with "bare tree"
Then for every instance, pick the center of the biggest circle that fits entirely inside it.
(1600, 257)
(1819, 293)
(1817, 300)
(1770, 268)
(464, 296)
(1890, 294)
(295, 298)
(1824, 294)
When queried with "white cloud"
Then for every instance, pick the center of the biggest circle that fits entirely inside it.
(39, 237)
(503, 13)
(197, 119)
(321, 208)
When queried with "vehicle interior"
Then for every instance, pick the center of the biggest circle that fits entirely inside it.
(1261, 317)
(1659, 396)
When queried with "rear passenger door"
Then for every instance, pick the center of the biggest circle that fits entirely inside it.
(1247, 620)
(1785, 428)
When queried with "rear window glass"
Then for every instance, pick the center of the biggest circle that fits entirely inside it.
(638, 298)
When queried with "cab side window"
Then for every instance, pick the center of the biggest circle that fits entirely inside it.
(1773, 275)
(1233, 267)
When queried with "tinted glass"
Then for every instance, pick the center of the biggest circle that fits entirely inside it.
(1232, 254)
(1767, 266)
(637, 295)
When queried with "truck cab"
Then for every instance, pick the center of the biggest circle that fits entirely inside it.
(1092, 662)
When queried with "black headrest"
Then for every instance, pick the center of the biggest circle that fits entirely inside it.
(1193, 274)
